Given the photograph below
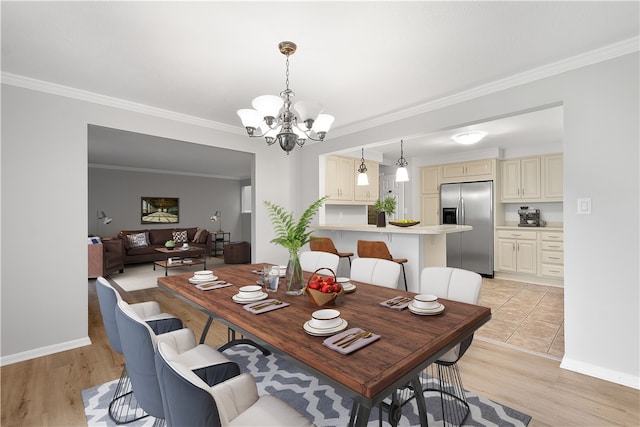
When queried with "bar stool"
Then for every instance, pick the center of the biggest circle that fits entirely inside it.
(325, 244)
(378, 249)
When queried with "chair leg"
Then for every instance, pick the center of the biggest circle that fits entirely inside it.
(124, 408)
(404, 275)
(349, 261)
(447, 382)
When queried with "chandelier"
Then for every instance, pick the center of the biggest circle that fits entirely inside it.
(274, 118)
(402, 175)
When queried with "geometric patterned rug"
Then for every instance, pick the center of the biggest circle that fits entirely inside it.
(314, 398)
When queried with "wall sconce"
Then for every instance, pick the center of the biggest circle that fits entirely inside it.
(363, 179)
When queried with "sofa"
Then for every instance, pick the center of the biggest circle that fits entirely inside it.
(105, 257)
(139, 245)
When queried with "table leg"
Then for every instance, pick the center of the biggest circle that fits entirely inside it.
(232, 340)
(205, 331)
(422, 407)
(362, 418)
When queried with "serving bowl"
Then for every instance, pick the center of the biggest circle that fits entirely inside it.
(404, 224)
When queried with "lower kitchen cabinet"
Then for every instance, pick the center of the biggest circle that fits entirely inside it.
(552, 254)
(517, 251)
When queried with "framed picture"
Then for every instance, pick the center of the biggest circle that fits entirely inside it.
(159, 210)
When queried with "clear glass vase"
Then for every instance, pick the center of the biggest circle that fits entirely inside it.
(294, 277)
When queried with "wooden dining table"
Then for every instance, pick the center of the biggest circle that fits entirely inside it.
(408, 344)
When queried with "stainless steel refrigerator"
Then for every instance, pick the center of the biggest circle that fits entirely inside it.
(469, 203)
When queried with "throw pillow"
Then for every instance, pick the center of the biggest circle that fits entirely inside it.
(180, 236)
(203, 236)
(197, 235)
(137, 240)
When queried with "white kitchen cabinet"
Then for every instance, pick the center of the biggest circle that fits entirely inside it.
(517, 251)
(552, 177)
(339, 178)
(430, 180)
(474, 169)
(520, 180)
(552, 254)
(367, 193)
(430, 209)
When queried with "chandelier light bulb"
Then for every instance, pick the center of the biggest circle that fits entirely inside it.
(363, 179)
(402, 175)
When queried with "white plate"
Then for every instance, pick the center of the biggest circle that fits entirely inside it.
(239, 300)
(324, 332)
(198, 281)
(349, 288)
(425, 311)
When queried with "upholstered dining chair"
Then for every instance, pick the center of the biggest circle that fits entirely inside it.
(313, 260)
(191, 400)
(325, 244)
(379, 249)
(443, 376)
(139, 344)
(376, 271)
(123, 408)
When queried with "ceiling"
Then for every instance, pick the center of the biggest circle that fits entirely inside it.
(366, 62)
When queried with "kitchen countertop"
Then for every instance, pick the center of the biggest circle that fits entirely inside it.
(515, 227)
(416, 229)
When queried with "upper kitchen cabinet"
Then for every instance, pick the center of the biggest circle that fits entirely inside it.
(340, 181)
(430, 179)
(552, 177)
(339, 178)
(477, 170)
(521, 179)
(532, 179)
(367, 193)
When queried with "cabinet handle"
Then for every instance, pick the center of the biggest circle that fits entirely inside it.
(516, 235)
(554, 257)
(554, 271)
(554, 246)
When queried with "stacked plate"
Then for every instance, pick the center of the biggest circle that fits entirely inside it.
(249, 294)
(425, 311)
(202, 276)
(347, 286)
(324, 323)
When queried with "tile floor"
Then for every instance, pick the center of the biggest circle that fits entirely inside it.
(524, 315)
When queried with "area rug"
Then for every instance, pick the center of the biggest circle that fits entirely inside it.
(143, 276)
(314, 398)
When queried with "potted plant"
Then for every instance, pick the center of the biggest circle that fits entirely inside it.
(292, 235)
(383, 207)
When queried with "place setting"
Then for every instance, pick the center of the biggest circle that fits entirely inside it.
(249, 294)
(425, 305)
(397, 303)
(265, 305)
(350, 340)
(325, 322)
(206, 281)
(346, 284)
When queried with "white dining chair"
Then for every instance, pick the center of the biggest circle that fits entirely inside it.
(313, 260)
(443, 376)
(376, 271)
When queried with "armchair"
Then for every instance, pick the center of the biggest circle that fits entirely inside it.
(105, 258)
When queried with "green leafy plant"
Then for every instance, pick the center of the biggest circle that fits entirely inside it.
(387, 205)
(290, 234)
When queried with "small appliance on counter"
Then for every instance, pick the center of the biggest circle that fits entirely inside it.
(530, 217)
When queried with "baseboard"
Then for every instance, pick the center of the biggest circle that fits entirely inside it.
(536, 280)
(44, 351)
(602, 373)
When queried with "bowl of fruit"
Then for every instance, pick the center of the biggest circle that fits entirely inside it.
(405, 223)
(323, 290)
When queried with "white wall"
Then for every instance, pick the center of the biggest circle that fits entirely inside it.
(118, 193)
(44, 210)
(601, 122)
(44, 167)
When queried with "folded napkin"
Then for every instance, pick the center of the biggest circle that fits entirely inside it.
(213, 285)
(269, 307)
(330, 342)
(396, 303)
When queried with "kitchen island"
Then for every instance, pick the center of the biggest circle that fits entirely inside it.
(423, 246)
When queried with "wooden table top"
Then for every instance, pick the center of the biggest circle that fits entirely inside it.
(408, 344)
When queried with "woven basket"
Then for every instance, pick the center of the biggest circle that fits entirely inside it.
(320, 298)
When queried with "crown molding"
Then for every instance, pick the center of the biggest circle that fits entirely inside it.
(164, 172)
(606, 53)
(96, 98)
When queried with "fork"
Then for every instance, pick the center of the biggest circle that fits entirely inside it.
(265, 305)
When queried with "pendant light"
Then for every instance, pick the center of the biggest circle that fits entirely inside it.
(363, 179)
(401, 174)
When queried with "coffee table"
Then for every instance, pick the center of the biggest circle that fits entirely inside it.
(180, 254)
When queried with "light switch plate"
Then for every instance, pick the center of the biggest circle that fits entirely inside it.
(584, 206)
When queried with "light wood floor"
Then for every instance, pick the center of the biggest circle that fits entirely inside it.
(46, 391)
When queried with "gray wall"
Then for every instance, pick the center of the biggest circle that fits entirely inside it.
(118, 193)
